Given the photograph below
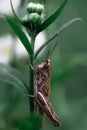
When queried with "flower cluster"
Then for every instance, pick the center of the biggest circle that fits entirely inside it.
(34, 17)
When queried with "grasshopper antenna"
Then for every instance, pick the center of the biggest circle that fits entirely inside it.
(51, 50)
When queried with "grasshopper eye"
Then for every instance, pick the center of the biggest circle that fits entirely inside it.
(46, 65)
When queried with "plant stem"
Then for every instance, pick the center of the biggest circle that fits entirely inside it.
(31, 76)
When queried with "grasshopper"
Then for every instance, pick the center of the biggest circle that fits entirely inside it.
(42, 89)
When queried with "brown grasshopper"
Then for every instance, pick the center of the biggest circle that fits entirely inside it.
(41, 91)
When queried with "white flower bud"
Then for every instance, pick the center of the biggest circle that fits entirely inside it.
(31, 8)
(35, 18)
(40, 9)
(35, 8)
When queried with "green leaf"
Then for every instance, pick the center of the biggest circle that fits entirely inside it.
(57, 34)
(14, 12)
(52, 18)
(20, 34)
(12, 76)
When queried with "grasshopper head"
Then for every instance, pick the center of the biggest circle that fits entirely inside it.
(44, 66)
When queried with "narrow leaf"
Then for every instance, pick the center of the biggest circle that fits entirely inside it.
(56, 34)
(52, 18)
(14, 12)
(20, 34)
(12, 76)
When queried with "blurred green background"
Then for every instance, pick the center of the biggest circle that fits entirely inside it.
(69, 69)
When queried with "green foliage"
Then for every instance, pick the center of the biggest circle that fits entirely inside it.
(52, 18)
(14, 12)
(47, 22)
(66, 25)
(12, 76)
(43, 25)
(20, 34)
